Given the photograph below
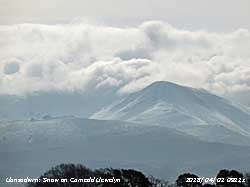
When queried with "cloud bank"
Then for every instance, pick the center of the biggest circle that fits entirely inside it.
(81, 56)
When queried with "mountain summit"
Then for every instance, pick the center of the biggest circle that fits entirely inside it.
(193, 111)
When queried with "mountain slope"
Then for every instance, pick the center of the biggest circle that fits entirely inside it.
(193, 111)
(31, 147)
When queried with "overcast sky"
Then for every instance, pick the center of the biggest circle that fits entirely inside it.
(212, 15)
(82, 44)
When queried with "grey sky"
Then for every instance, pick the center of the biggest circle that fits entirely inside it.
(217, 15)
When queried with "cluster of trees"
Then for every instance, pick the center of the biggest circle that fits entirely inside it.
(128, 178)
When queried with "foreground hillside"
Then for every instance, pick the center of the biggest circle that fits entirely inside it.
(28, 148)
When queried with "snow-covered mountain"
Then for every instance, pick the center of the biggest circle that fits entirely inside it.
(189, 110)
(193, 111)
(164, 129)
(29, 148)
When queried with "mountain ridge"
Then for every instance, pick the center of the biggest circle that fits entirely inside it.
(193, 111)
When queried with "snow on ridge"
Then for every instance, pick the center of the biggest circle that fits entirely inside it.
(175, 106)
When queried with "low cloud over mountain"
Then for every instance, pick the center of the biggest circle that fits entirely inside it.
(80, 56)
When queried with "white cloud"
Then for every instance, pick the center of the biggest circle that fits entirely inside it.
(82, 56)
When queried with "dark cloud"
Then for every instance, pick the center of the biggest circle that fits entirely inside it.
(11, 67)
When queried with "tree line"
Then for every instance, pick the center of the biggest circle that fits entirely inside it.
(77, 175)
